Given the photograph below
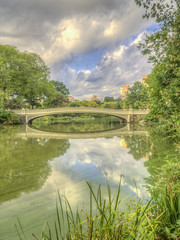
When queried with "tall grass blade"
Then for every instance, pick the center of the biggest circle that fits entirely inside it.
(117, 196)
(57, 236)
(58, 219)
(21, 228)
(72, 216)
(18, 232)
(61, 207)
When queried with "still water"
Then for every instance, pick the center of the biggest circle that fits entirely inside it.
(35, 165)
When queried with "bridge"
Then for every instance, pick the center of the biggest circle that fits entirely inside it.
(29, 132)
(129, 116)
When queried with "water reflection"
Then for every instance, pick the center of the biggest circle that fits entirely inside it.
(77, 123)
(33, 168)
(24, 163)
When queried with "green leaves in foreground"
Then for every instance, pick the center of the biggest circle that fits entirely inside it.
(157, 219)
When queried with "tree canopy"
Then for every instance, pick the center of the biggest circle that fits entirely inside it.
(163, 48)
(137, 97)
(24, 77)
(60, 87)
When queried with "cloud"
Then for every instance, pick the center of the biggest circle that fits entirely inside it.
(121, 66)
(59, 30)
(64, 30)
(94, 160)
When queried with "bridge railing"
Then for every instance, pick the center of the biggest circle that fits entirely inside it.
(79, 110)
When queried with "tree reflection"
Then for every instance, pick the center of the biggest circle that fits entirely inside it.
(68, 124)
(139, 146)
(163, 165)
(162, 160)
(24, 163)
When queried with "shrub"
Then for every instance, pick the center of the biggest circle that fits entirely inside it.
(8, 117)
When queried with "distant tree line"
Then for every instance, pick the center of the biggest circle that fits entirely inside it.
(137, 98)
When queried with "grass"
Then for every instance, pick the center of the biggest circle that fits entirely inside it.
(157, 219)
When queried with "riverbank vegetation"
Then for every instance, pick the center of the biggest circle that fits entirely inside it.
(8, 117)
(142, 219)
(163, 48)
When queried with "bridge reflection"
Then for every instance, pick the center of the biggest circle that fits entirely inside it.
(30, 132)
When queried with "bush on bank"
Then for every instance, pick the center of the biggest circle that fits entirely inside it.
(8, 117)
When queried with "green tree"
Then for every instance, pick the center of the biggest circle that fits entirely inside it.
(137, 97)
(108, 99)
(24, 75)
(164, 52)
(14, 103)
(119, 103)
(9, 56)
(60, 87)
(8, 117)
(34, 79)
(109, 105)
(58, 101)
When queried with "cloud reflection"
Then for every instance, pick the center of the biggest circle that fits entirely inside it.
(96, 159)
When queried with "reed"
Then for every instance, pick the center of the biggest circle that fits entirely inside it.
(157, 219)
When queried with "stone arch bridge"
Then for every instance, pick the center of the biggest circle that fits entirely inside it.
(129, 116)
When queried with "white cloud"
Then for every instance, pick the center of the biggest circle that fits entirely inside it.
(95, 155)
(120, 66)
(60, 31)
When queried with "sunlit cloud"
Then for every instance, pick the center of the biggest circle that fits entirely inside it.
(62, 31)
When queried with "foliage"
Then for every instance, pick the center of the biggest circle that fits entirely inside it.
(74, 104)
(108, 99)
(25, 79)
(137, 97)
(84, 103)
(164, 52)
(8, 117)
(14, 103)
(119, 103)
(58, 101)
(109, 105)
(157, 219)
(60, 87)
(164, 92)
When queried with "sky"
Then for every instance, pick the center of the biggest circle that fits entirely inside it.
(89, 45)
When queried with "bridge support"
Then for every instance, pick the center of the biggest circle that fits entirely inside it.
(130, 118)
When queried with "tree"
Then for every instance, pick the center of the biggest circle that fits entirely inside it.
(34, 79)
(119, 103)
(9, 56)
(163, 48)
(25, 75)
(109, 105)
(74, 104)
(59, 100)
(137, 97)
(60, 87)
(14, 103)
(108, 99)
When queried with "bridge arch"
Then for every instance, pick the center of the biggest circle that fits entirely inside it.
(128, 115)
(30, 119)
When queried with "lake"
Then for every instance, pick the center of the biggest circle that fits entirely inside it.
(37, 161)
